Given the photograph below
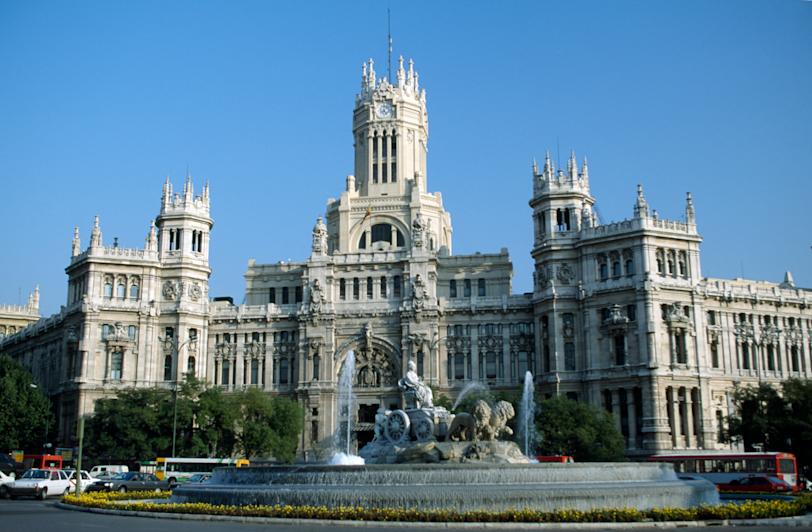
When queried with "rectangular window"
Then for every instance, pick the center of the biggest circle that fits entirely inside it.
(285, 295)
(356, 288)
(452, 288)
(459, 367)
(631, 312)
(342, 289)
(284, 371)
(467, 289)
(396, 286)
(711, 317)
(169, 332)
(369, 288)
(383, 287)
(298, 294)
(620, 350)
(480, 287)
(490, 365)
(569, 356)
(272, 295)
(714, 354)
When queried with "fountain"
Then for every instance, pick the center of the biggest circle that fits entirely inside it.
(423, 456)
(526, 424)
(474, 386)
(343, 437)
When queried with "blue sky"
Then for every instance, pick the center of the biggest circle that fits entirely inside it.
(99, 101)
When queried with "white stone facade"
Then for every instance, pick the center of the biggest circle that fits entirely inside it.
(620, 315)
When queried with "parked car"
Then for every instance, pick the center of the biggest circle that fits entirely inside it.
(5, 480)
(97, 470)
(87, 480)
(130, 481)
(40, 483)
(11, 467)
(756, 484)
(199, 478)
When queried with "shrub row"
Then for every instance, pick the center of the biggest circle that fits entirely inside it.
(747, 510)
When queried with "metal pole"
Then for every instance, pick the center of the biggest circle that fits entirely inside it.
(81, 431)
(175, 421)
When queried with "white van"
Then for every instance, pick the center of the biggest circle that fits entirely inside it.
(106, 471)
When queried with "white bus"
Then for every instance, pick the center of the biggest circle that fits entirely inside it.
(179, 470)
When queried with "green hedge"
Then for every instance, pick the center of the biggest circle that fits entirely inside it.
(747, 510)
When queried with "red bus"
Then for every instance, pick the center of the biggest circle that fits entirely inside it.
(723, 467)
(555, 459)
(43, 461)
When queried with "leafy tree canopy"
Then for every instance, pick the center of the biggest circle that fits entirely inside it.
(580, 430)
(25, 412)
(773, 420)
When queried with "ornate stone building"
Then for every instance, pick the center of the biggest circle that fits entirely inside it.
(14, 318)
(620, 315)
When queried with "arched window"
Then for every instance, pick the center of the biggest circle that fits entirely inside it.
(629, 267)
(108, 288)
(121, 289)
(382, 233)
(168, 368)
(616, 268)
(190, 366)
(604, 271)
(362, 242)
(116, 365)
(134, 291)
(131, 332)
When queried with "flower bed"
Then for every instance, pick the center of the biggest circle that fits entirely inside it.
(748, 510)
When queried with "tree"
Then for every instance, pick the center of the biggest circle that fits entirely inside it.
(267, 426)
(25, 412)
(771, 421)
(134, 425)
(580, 430)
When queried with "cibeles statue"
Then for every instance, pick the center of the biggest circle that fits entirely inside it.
(416, 393)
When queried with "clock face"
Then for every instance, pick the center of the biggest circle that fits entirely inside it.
(384, 110)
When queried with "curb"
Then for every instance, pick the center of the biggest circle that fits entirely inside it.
(797, 521)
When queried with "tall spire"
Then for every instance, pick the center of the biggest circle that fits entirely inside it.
(76, 244)
(585, 173)
(96, 234)
(548, 166)
(690, 213)
(401, 72)
(188, 189)
(572, 167)
(371, 73)
(641, 205)
(151, 242)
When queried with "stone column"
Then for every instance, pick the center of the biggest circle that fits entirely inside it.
(388, 162)
(631, 414)
(474, 353)
(380, 159)
(689, 419)
(616, 408)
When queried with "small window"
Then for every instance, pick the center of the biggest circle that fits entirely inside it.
(169, 332)
(121, 290)
(620, 350)
(631, 312)
(481, 287)
(284, 371)
(272, 295)
(226, 372)
(285, 295)
(490, 365)
(452, 288)
(116, 365)
(342, 289)
(616, 268)
(396, 286)
(604, 271)
(369, 288)
(298, 294)
(134, 291)
(108, 289)
(356, 288)
(168, 368)
(383, 287)
(316, 368)
(467, 289)
(255, 371)
(362, 242)
(131, 332)
(382, 233)
(629, 267)
(190, 366)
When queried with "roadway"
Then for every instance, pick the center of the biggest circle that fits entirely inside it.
(36, 516)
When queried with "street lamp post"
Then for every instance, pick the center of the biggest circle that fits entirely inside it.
(175, 393)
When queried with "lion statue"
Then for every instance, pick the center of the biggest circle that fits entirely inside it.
(483, 423)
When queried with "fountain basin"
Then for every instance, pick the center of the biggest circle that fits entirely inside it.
(457, 487)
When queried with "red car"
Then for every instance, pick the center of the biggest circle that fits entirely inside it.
(756, 485)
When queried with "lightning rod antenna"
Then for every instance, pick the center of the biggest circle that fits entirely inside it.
(389, 46)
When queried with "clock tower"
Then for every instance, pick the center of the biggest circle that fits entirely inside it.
(390, 129)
